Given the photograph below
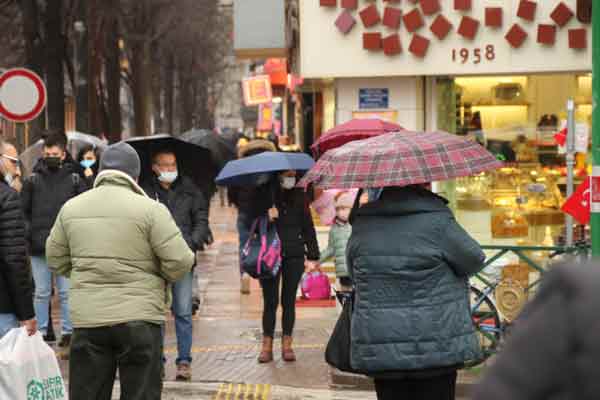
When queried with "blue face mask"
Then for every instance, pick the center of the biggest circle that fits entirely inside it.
(87, 163)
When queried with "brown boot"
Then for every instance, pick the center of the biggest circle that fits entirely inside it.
(287, 353)
(266, 354)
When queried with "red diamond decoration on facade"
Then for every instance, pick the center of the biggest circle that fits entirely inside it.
(392, 17)
(413, 20)
(562, 14)
(370, 16)
(578, 38)
(419, 45)
(328, 3)
(527, 10)
(468, 27)
(441, 27)
(350, 4)
(430, 7)
(516, 36)
(372, 41)
(493, 17)
(546, 34)
(462, 5)
(345, 22)
(391, 45)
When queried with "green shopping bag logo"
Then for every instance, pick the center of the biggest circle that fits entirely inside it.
(46, 389)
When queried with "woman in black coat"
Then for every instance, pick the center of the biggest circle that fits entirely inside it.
(300, 251)
(88, 159)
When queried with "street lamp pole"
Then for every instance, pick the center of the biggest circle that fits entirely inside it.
(595, 203)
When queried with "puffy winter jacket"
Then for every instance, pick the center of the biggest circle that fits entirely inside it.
(410, 262)
(121, 249)
(295, 225)
(187, 205)
(43, 195)
(553, 350)
(16, 289)
(338, 240)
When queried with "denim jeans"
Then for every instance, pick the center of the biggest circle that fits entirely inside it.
(7, 322)
(182, 311)
(43, 290)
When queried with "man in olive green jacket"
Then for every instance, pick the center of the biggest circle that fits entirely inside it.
(121, 250)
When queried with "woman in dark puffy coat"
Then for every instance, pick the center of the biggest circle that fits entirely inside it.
(410, 262)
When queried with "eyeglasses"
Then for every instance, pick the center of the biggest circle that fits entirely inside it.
(14, 160)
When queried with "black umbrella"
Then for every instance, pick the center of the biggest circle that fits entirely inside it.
(193, 161)
(221, 150)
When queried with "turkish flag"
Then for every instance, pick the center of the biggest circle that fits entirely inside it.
(578, 205)
(561, 137)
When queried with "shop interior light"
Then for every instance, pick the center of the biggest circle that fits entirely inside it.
(277, 100)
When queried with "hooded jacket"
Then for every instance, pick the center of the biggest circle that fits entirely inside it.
(120, 249)
(336, 247)
(187, 205)
(43, 195)
(16, 289)
(552, 351)
(410, 262)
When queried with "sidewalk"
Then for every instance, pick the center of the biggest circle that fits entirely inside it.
(227, 337)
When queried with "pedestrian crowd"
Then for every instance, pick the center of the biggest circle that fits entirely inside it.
(121, 252)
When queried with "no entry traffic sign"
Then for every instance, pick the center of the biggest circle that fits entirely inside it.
(22, 95)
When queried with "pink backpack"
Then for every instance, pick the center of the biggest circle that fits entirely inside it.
(316, 286)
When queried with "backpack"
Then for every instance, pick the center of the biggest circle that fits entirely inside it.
(261, 255)
(75, 179)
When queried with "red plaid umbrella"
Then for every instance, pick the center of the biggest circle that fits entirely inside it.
(400, 159)
(356, 129)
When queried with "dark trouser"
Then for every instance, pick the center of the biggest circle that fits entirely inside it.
(291, 274)
(435, 388)
(96, 353)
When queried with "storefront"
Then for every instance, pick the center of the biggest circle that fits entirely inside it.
(500, 71)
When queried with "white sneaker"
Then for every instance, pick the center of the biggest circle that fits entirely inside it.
(245, 284)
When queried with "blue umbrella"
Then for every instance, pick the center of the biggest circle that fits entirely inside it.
(250, 171)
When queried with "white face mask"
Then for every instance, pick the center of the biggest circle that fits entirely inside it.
(8, 178)
(168, 177)
(288, 182)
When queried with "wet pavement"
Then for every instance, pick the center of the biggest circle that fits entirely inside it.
(227, 338)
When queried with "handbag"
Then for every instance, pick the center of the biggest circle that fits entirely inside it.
(337, 352)
(261, 255)
(316, 286)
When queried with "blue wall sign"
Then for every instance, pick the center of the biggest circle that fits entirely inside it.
(373, 99)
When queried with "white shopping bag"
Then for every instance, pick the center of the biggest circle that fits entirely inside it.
(29, 369)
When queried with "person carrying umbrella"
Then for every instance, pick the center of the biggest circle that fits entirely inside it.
(287, 207)
(409, 260)
(89, 161)
(189, 209)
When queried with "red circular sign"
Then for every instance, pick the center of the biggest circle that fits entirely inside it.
(22, 95)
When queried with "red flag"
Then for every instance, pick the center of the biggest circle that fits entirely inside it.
(561, 137)
(578, 205)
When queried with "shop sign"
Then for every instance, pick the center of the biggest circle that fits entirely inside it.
(265, 117)
(390, 116)
(373, 99)
(257, 90)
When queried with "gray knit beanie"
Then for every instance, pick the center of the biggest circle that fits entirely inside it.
(121, 157)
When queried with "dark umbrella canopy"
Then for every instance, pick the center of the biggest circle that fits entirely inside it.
(192, 160)
(220, 149)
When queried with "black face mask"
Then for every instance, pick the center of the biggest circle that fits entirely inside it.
(53, 163)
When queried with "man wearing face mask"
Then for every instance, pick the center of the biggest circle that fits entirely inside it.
(189, 209)
(10, 166)
(54, 181)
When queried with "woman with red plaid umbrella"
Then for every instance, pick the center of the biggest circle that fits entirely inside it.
(409, 260)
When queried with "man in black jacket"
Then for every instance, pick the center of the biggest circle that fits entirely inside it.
(189, 208)
(54, 181)
(16, 291)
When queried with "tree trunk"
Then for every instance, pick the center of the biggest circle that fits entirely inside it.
(34, 60)
(186, 107)
(142, 87)
(81, 70)
(170, 93)
(55, 55)
(94, 69)
(113, 77)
